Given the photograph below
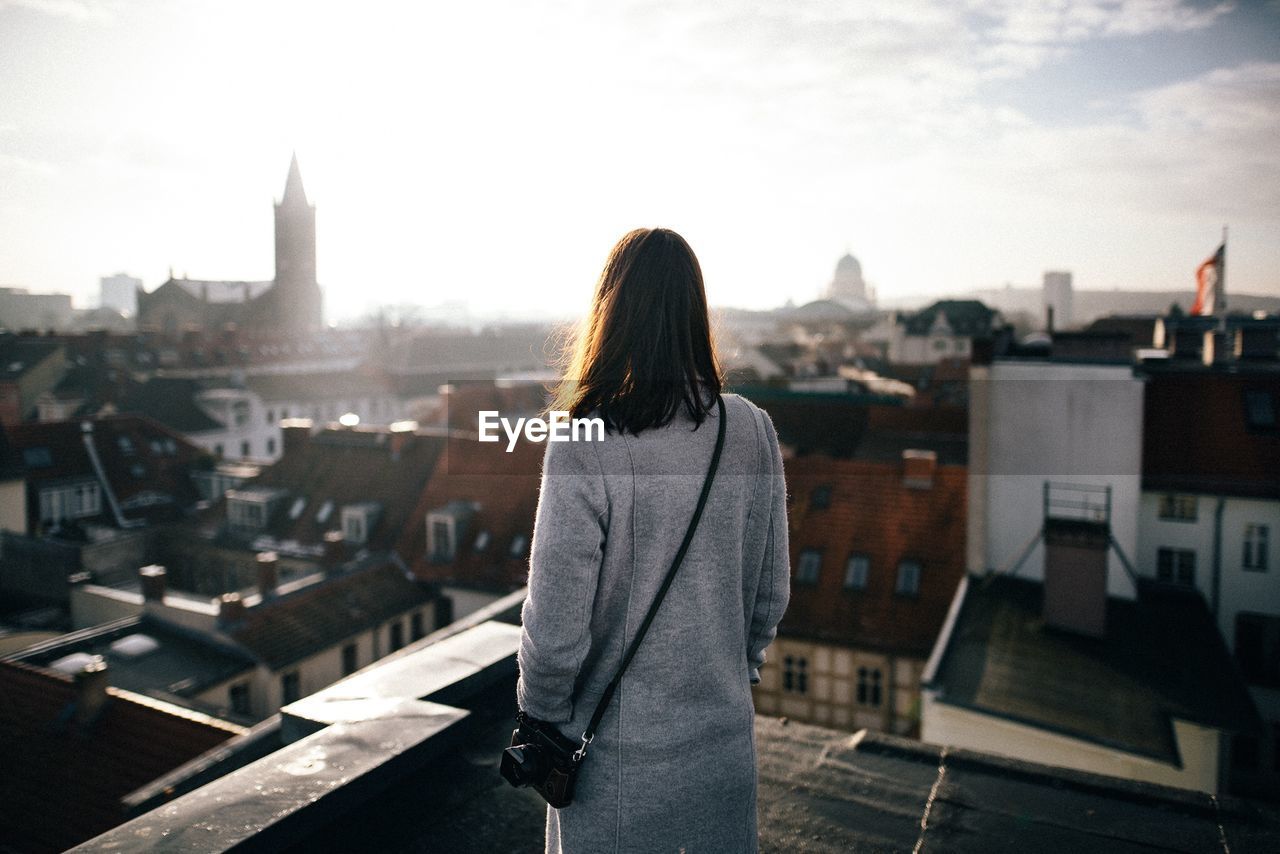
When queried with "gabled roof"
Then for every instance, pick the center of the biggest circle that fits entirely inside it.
(1162, 658)
(172, 402)
(502, 489)
(20, 353)
(966, 317)
(139, 457)
(1204, 430)
(871, 512)
(319, 616)
(65, 782)
(338, 467)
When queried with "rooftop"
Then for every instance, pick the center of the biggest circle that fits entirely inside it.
(1162, 658)
(842, 508)
(409, 764)
(64, 780)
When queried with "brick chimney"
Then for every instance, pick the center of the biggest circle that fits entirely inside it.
(230, 609)
(401, 435)
(1075, 576)
(154, 580)
(91, 690)
(919, 468)
(335, 550)
(268, 573)
(295, 433)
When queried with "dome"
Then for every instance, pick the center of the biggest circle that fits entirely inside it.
(848, 266)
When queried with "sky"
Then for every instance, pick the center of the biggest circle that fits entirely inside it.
(491, 154)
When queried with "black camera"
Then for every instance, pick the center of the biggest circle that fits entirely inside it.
(542, 757)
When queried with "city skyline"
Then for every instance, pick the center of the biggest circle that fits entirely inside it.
(495, 156)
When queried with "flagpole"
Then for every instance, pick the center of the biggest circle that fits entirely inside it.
(1222, 286)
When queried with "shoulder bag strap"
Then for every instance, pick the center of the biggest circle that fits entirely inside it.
(590, 732)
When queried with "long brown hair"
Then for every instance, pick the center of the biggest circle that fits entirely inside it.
(646, 347)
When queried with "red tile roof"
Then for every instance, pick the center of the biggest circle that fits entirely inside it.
(1197, 436)
(871, 512)
(63, 784)
(505, 489)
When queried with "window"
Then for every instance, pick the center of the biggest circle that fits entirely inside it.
(870, 686)
(349, 659)
(240, 699)
(290, 688)
(807, 569)
(1179, 508)
(246, 514)
(322, 515)
(299, 504)
(75, 501)
(1258, 648)
(218, 450)
(856, 571)
(440, 539)
(908, 579)
(415, 626)
(271, 417)
(244, 448)
(1176, 566)
(271, 447)
(518, 545)
(397, 636)
(126, 445)
(795, 674)
(482, 541)
(37, 458)
(820, 498)
(1255, 547)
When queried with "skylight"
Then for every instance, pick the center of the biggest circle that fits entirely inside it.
(134, 646)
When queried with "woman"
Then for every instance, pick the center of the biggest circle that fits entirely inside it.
(672, 766)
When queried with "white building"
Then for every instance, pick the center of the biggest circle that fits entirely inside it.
(943, 330)
(119, 292)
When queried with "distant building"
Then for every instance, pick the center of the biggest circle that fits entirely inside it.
(288, 305)
(847, 286)
(1057, 296)
(30, 366)
(877, 552)
(20, 309)
(120, 292)
(944, 330)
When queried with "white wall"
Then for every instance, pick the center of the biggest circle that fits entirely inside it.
(1065, 423)
(1199, 747)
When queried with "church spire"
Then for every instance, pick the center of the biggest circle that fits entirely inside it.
(293, 192)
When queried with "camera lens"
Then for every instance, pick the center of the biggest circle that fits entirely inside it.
(523, 765)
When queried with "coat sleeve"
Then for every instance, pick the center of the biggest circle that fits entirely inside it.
(564, 567)
(773, 591)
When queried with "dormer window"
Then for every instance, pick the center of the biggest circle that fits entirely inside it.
(358, 521)
(446, 528)
(70, 501)
(250, 509)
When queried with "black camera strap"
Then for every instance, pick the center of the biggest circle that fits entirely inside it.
(590, 732)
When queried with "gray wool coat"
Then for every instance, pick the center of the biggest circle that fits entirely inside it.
(673, 764)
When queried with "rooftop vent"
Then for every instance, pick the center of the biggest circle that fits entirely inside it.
(134, 646)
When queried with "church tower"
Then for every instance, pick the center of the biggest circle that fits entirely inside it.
(297, 299)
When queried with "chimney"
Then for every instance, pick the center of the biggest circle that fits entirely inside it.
(335, 550)
(268, 574)
(1075, 575)
(401, 433)
(154, 580)
(230, 609)
(1215, 347)
(1256, 341)
(91, 690)
(918, 468)
(295, 433)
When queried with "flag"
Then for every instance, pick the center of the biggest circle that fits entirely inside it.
(1210, 278)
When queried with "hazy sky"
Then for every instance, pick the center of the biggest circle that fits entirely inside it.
(492, 152)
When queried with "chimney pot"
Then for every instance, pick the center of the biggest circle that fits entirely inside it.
(335, 550)
(154, 580)
(919, 468)
(91, 689)
(230, 609)
(268, 573)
